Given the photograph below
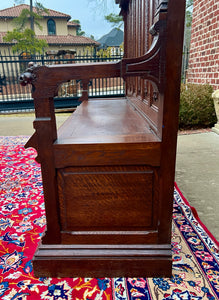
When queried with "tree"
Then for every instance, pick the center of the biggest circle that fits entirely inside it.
(79, 31)
(25, 38)
(188, 23)
(29, 14)
(189, 6)
(115, 20)
(22, 21)
(25, 41)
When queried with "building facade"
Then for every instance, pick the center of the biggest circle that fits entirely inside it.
(57, 29)
(204, 49)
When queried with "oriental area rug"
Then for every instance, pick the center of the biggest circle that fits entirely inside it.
(22, 222)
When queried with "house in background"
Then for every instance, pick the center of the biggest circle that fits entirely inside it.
(57, 29)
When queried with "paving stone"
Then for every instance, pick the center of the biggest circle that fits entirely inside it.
(197, 175)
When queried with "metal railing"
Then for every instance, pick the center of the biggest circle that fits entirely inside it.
(13, 96)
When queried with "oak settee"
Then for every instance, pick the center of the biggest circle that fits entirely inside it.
(108, 171)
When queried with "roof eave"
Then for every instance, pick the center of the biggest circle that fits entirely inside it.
(72, 44)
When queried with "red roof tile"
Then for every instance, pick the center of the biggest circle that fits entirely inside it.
(71, 23)
(15, 11)
(61, 40)
(68, 40)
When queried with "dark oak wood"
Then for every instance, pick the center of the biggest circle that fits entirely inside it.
(108, 172)
(94, 260)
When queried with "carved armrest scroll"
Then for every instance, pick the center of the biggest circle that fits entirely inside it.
(45, 80)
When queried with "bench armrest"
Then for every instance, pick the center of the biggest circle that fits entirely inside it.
(46, 79)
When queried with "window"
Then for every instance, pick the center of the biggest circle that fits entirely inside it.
(51, 27)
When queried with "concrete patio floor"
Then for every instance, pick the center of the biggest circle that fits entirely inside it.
(197, 165)
(197, 175)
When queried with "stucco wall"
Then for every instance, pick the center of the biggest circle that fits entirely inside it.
(72, 30)
(6, 25)
(61, 26)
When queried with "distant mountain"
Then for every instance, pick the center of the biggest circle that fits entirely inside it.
(112, 39)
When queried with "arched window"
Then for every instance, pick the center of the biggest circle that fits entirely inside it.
(51, 27)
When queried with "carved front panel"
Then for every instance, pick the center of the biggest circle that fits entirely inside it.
(110, 198)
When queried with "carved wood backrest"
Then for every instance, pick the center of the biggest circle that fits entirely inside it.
(145, 27)
(138, 19)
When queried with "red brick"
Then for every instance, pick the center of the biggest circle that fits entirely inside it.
(204, 53)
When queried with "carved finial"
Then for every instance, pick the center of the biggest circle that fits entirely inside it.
(124, 5)
(161, 8)
(27, 77)
(31, 64)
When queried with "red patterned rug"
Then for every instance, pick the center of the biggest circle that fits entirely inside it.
(22, 222)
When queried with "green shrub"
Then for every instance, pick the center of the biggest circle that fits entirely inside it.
(196, 106)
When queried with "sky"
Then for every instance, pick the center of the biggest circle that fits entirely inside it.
(90, 12)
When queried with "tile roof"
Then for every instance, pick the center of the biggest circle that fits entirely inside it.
(68, 40)
(61, 40)
(15, 11)
(71, 23)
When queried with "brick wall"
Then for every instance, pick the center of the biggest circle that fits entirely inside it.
(204, 49)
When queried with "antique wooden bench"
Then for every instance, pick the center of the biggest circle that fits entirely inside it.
(108, 172)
